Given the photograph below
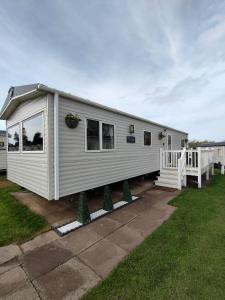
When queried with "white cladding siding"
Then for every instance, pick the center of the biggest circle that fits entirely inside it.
(3, 160)
(219, 154)
(80, 170)
(30, 169)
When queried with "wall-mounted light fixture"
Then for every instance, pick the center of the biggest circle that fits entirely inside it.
(131, 128)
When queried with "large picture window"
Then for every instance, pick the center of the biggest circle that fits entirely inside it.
(33, 132)
(14, 138)
(107, 136)
(147, 138)
(93, 142)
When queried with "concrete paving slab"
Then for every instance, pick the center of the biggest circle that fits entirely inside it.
(44, 259)
(140, 206)
(12, 281)
(126, 238)
(27, 292)
(104, 226)
(9, 252)
(147, 222)
(79, 240)
(69, 281)
(9, 265)
(102, 257)
(122, 215)
(39, 241)
(161, 196)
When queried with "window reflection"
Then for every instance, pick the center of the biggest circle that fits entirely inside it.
(33, 133)
(14, 138)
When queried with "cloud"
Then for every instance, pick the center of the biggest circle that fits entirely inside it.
(163, 60)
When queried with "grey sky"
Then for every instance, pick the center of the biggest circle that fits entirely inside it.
(163, 60)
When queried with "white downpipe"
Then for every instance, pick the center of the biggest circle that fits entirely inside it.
(56, 146)
(161, 159)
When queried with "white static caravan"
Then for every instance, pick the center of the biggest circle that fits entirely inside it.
(3, 153)
(48, 157)
(219, 153)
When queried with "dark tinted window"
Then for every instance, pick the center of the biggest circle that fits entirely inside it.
(147, 138)
(14, 138)
(33, 132)
(182, 143)
(107, 136)
(93, 135)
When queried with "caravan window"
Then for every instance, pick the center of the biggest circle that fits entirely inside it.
(93, 142)
(107, 136)
(147, 138)
(33, 132)
(14, 138)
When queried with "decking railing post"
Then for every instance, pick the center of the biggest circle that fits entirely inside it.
(199, 168)
(207, 173)
(212, 168)
(179, 175)
(222, 169)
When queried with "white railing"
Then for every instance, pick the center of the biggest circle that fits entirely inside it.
(192, 159)
(169, 158)
(188, 162)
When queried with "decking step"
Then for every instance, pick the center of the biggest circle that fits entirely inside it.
(167, 180)
(166, 185)
(169, 172)
(169, 176)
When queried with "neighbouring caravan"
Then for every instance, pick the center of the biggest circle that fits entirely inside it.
(60, 144)
(219, 153)
(3, 154)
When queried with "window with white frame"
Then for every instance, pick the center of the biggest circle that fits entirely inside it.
(107, 136)
(182, 143)
(147, 138)
(99, 136)
(33, 133)
(13, 138)
(93, 140)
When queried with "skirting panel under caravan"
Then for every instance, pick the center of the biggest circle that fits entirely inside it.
(3, 160)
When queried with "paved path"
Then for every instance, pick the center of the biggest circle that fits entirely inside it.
(50, 267)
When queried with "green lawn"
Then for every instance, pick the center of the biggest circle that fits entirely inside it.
(183, 259)
(17, 222)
